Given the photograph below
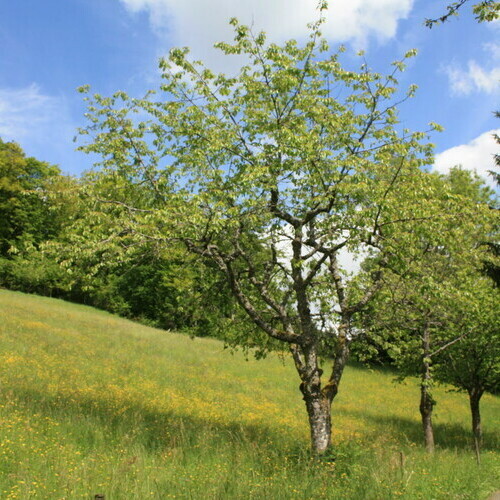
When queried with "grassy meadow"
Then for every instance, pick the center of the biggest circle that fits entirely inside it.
(94, 404)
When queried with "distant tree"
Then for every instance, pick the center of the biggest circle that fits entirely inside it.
(486, 10)
(41, 212)
(269, 175)
(431, 301)
(411, 318)
(473, 364)
(492, 264)
(472, 186)
(36, 200)
(106, 266)
(24, 203)
(468, 184)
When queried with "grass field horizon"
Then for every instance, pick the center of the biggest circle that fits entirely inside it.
(95, 404)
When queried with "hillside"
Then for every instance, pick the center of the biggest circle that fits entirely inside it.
(95, 404)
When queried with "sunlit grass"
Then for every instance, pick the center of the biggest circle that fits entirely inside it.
(91, 403)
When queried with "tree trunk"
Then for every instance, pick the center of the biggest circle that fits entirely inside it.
(341, 357)
(319, 400)
(474, 399)
(319, 413)
(426, 400)
(341, 354)
(426, 406)
(318, 405)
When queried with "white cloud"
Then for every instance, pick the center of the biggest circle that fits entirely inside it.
(493, 49)
(200, 23)
(34, 119)
(477, 155)
(475, 78)
(23, 111)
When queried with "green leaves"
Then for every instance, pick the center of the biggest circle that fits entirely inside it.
(25, 200)
(434, 283)
(268, 174)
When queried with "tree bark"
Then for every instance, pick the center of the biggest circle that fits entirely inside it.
(319, 399)
(426, 400)
(474, 399)
(319, 413)
(318, 405)
(426, 406)
(341, 357)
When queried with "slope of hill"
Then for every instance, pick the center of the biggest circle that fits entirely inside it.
(94, 404)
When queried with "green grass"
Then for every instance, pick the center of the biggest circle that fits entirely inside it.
(91, 403)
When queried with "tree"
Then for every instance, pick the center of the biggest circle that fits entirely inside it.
(31, 211)
(491, 264)
(270, 175)
(160, 285)
(411, 317)
(418, 316)
(24, 205)
(418, 320)
(486, 10)
(473, 363)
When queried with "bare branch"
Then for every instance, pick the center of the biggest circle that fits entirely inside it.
(442, 348)
(128, 207)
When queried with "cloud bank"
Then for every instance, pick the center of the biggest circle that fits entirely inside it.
(40, 123)
(473, 79)
(200, 23)
(476, 78)
(477, 155)
(23, 111)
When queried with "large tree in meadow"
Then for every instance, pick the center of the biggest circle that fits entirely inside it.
(272, 175)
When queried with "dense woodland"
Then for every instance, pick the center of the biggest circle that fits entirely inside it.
(229, 209)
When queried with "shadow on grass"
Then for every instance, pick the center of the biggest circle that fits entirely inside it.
(157, 431)
(447, 436)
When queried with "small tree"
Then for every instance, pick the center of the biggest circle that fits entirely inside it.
(270, 175)
(410, 321)
(473, 363)
(431, 300)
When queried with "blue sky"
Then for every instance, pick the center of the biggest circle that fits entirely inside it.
(50, 48)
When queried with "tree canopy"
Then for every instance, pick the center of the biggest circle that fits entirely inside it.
(24, 206)
(271, 175)
(435, 315)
